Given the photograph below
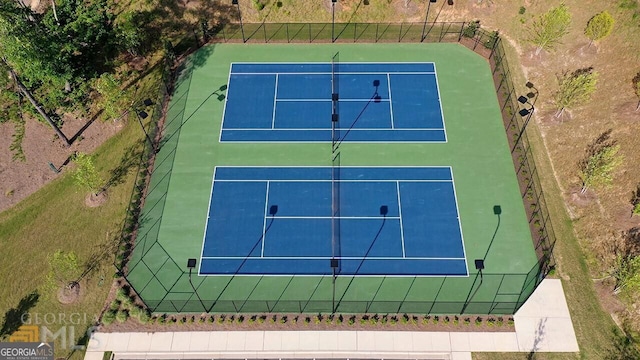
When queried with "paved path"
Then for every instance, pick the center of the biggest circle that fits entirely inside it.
(542, 324)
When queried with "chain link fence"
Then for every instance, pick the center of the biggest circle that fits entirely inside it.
(157, 269)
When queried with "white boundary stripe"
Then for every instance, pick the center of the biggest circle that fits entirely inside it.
(324, 62)
(329, 257)
(275, 99)
(224, 108)
(400, 214)
(325, 180)
(329, 100)
(444, 127)
(327, 129)
(264, 221)
(403, 276)
(342, 167)
(206, 224)
(338, 217)
(390, 102)
(338, 73)
(455, 197)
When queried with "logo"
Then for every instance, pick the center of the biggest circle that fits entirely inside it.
(26, 351)
(26, 333)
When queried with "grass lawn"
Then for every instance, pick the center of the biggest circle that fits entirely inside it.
(56, 218)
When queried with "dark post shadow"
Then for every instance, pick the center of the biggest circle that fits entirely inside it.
(15, 317)
(220, 97)
(479, 263)
(374, 98)
(384, 209)
(273, 210)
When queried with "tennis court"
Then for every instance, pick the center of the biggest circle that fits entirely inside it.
(282, 221)
(260, 202)
(289, 102)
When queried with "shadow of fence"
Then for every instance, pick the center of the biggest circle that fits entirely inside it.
(140, 250)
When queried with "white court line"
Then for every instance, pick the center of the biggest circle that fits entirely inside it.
(400, 214)
(224, 108)
(264, 222)
(326, 129)
(390, 102)
(329, 257)
(275, 99)
(206, 224)
(329, 100)
(339, 217)
(455, 197)
(444, 127)
(338, 73)
(328, 181)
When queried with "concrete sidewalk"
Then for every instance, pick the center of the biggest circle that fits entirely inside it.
(543, 324)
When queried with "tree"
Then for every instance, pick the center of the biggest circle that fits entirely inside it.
(549, 28)
(86, 174)
(574, 88)
(599, 26)
(636, 88)
(627, 274)
(112, 97)
(599, 163)
(64, 270)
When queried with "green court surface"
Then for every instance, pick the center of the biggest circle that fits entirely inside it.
(493, 220)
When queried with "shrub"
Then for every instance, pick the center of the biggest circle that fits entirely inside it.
(122, 294)
(262, 319)
(404, 319)
(220, 319)
(478, 321)
(426, 319)
(307, 320)
(352, 320)
(229, 319)
(283, 319)
(210, 319)
(240, 319)
(522, 10)
(456, 320)
(446, 319)
(115, 305)
(273, 319)
(470, 30)
(467, 321)
(252, 319)
(122, 316)
(182, 320)
(201, 320)
(435, 319)
(108, 317)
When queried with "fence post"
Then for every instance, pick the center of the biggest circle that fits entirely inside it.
(377, 25)
(400, 34)
(287, 30)
(264, 30)
(496, 40)
(309, 32)
(461, 31)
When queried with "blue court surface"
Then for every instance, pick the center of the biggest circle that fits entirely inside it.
(290, 102)
(391, 221)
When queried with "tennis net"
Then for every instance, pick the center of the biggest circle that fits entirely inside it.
(335, 135)
(335, 214)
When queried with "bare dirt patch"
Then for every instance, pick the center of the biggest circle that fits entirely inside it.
(94, 200)
(40, 145)
(69, 294)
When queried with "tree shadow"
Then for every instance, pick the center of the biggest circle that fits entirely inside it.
(130, 159)
(538, 338)
(14, 317)
(624, 347)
